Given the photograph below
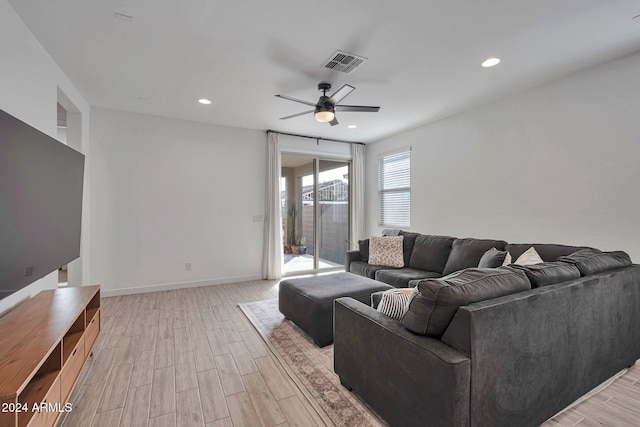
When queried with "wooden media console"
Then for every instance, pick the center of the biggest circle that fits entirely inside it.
(44, 344)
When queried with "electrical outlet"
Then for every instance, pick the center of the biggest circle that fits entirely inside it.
(257, 218)
(28, 271)
(187, 266)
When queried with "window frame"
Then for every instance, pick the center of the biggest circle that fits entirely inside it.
(384, 159)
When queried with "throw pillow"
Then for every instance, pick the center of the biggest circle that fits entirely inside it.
(375, 299)
(386, 251)
(529, 257)
(492, 258)
(394, 302)
(507, 260)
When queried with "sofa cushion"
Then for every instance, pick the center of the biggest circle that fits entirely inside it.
(549, 273)
(400, 278)
(434, 302)
(592, 261)
(407, 245)
(365, 269)
(386, 251)
(492, 258)
(393, 302)
(547, 252)
(363, 247)
(430, 253)
(466, 253)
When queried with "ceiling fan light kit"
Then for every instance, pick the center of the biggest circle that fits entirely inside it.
(325, 116)
(325, 109)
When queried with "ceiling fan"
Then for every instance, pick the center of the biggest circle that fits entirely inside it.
(326, 107)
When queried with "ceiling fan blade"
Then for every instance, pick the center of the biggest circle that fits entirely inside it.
(296, 100)
(296, 115)
(340, 94)
(360, 108)
(334, 121)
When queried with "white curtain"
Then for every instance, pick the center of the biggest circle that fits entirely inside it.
(357, 193)
(272, 246)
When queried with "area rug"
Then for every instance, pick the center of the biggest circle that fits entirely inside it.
(310, 367)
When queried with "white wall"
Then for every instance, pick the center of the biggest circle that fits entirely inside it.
(166, 192)
(29, 82)
(554, 164)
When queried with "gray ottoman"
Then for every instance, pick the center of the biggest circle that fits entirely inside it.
(308, 301)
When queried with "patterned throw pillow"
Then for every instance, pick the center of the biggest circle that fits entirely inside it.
(394, 302)
(386, 251)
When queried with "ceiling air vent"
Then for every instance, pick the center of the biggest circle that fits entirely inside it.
(344, 62)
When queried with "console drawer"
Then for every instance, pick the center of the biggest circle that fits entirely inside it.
(49, 415)
(91, 333)
(71, 369)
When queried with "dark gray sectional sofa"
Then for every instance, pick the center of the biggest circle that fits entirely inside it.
(509, 346)
(427, 256)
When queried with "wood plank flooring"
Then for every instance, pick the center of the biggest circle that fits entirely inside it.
(618, 405)
(186, 358)
(191, 358)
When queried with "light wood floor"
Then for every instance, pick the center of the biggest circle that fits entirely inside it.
(618, 405)
(190, 358)
(186, 358)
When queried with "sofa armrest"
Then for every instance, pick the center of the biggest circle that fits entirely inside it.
(350, 257)
(406, 378)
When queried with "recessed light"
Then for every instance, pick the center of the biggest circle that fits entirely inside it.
(491, 62)
(204, 101)
(352, 126)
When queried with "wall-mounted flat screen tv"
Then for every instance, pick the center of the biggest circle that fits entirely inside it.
(40, 204)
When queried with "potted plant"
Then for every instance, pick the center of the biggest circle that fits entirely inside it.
(302, 249)
(293, 212)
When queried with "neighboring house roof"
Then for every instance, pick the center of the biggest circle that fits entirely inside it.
(336, 190)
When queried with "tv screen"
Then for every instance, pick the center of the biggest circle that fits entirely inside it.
(40, 204)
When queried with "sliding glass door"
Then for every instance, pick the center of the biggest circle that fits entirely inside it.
(315, 213)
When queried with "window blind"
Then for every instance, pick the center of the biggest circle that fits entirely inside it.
(394, 184)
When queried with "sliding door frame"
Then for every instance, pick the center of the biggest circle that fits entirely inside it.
(317, 239)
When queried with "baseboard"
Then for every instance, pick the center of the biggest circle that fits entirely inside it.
(172, 286)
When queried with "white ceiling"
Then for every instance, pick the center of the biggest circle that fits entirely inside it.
(424, 55)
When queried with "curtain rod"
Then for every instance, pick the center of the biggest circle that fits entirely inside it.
(317, 138)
